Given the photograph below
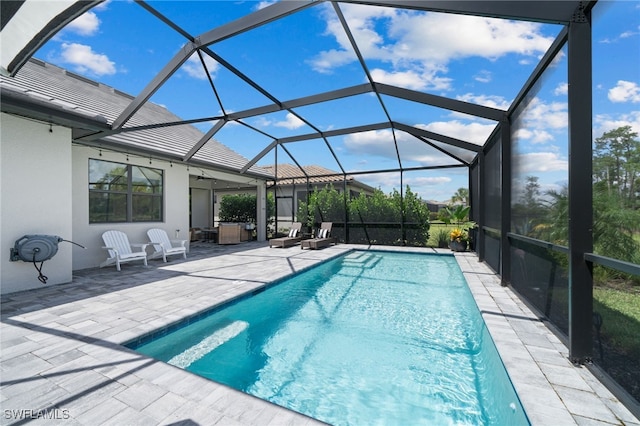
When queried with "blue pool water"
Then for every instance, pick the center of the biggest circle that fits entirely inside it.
(369, 338)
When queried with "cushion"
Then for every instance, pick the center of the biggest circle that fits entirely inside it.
(293, 232)
(322, 233)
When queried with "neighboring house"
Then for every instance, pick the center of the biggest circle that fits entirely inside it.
(55, 180)
(436, 206)
(294, 184)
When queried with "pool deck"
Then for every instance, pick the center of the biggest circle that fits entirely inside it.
(61, 355)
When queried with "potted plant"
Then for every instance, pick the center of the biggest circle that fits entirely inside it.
(459, 239)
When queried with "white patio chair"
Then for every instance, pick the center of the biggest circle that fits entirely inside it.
(163, 246)
(120, 250)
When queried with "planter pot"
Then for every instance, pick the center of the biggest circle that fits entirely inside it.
(458, 245)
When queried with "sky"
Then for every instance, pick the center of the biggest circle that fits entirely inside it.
(478, 60)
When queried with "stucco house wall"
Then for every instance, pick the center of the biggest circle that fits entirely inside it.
(36, 198)
(176, 206)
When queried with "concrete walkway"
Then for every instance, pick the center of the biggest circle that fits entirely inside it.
(62, 361)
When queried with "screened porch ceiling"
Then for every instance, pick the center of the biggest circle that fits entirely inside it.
(342, 84)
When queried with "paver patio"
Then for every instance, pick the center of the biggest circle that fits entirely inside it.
(62, 357)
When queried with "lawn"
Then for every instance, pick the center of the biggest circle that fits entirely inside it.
(435, 229)
(620, 312)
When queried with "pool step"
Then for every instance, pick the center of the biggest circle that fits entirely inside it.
(361, 260)
(208, 344)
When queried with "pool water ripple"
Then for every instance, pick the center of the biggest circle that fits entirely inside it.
(369, 338)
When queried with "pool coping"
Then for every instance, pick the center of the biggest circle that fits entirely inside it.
(551, 388)
(62, 345)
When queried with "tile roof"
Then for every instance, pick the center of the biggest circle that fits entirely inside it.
(289, 174)
(41, 82)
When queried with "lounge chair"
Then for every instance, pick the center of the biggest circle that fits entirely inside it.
(120, 251)
(323, 238)
(290, 240)
(163, 246)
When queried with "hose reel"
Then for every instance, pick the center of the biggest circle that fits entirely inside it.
(37, 248)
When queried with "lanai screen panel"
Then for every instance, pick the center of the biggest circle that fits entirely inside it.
(377, 219)
(616, 225)
(539, 193)
(280, 124)
(192, 81)
(458, 154)
(242, 139)
(336, 114)
(288, 57)
(311, 152)
(217, 13)
(91, 50)
(366, 151)
(415, 152)
(540, 156)
(492, 190)
(465, 127)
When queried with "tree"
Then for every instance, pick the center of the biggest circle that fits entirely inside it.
(529, 211)
(238, 208)
(325, 205)
(461, 196)
(374, 217)
(616, 165)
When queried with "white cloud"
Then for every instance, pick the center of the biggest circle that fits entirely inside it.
(263, 122)
(263, 4)
(420, 44)
(430, 181)
(483, 76)
(536, 162)
(329, 59)
(625, 91)
(471, 132)
(86, 60)
(193, 66)
(542, 115)
(492, 101)
(561, 89)
(411, 79)
(535, 136)
(628, 34)
(373, 143)
(604, 123)
(102, 6)
(86, 24)
(380, 143)
(290, 122)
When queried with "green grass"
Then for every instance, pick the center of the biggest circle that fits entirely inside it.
(433, 232)
(620, 312)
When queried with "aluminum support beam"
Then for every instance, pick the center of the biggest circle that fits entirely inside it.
(505, 201)
(546, 60)
(482, 194)
(260, 17)
(204, 140)
(27, 25)
(300, 102)
(441, 102)
(554, 12)
(336, 132)
(257, 158)
(171, 67)
(437, 137)
(580, 188)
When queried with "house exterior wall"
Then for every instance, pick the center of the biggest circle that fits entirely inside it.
(36, 198)
(176, 206)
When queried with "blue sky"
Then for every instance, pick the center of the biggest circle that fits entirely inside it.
(478, 60)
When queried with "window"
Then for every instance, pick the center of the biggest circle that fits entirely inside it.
(124, 193)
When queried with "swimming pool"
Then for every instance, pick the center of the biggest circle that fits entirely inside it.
(368, 338)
